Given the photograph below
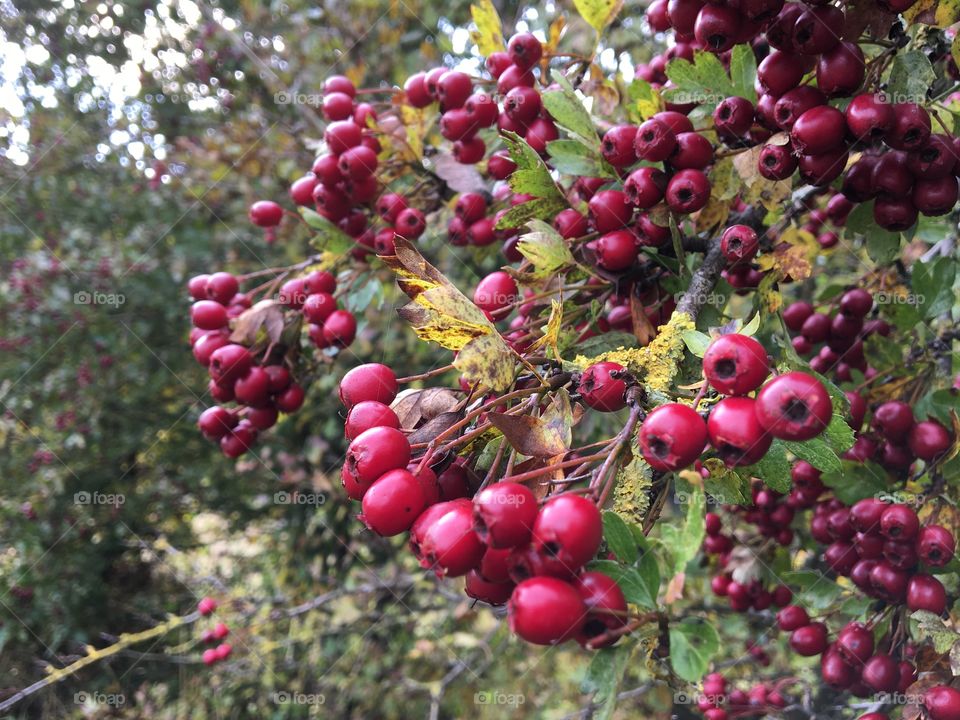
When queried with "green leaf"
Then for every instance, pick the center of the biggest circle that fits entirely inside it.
(932, 626)
(774, 468)
(816, 452)
(838, 436)
(603, 678)
(855, 481)
(743, 72)
(572, 157)
(643, 100)
(696, 342)
(619, 537)
(704, 81)
(537, 209)
(684, 542)
(544, 247)
(694, 642)
(599, 344)
(598, 13)
(813, 589)
(532, 177)
(882, 245)
(938, 404)
(911, 75)
(932, 284)
(725, 485)
(569, 112)
(329, 237)
(639, 588)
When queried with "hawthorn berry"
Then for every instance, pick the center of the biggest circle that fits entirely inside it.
(735, 364)
(735, 432)
(266, 213)
(925, 592)
(393, 502)
(448, 544)
(373, 453)
(504, 514)
(606, 607)
(809, 640)
(371, 381)
(495, 292)
(546, 611)
(569, 529)
(525, 50)
(600, 390)
(672, 437)
(794, 406)
(929, 440)
(942, 703)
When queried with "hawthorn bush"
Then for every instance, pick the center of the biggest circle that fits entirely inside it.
(669, 383)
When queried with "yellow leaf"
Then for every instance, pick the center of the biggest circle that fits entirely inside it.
(793, 255)
(557, 28)
(442, 314)
(770, 297)
(724, 183)
(714, 213)
(598, 13)
(489, 33)
(917, 9)
(948, 12)
(551, 331)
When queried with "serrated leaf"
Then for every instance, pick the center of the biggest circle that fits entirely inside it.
(855, 481)
(545, 248)
(813, 589)
(572, 157)
(489, 33)
(704, 81)
(932, 626)
(568, 111)
(537, 209)
(603, 678)
(743, 72)
(442, 314)
(532, 176)
(816, 452)
(619, 538)
(725, 485)
(932, 284)
(774, 468)
(693, 644)
(644, 100)
(638, 589)
(329, 237)
(598, 13)
(838, 435)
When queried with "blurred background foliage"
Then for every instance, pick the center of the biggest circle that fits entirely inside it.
(134, 136)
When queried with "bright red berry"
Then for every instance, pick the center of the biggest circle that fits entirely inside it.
(546, 611)
(672, 437)
(794, 406)
(393, 503)
(600, 390)
(735, 432)
(569, 529)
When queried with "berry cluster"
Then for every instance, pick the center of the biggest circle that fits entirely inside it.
(839, 331)
(216, 634)
(508, 547)
(740, 429)
(718, 701)
(261, 391)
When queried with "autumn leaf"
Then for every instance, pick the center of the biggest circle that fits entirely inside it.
(598, 13)
(793, 256)
(489, 33)
(442, 314)
(545, 248)
(266, 315)
(551, 331)
(545, 436)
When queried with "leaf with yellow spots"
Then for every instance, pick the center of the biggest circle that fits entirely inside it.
(948, 12)
(598, 13)
(771, 194)
(442, 314)
(657, 363)
(714, 213)
(489, 33)
(793, 255)
(551, 331)
(545, 248)
(770, 298)
(724, 181)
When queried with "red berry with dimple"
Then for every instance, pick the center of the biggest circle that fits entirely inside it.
(606, 608)
(504, 514)
(794, 406)
(655, 140)
(393, 503)
(525, 50)
(645, 186)
(610, 210)
(735, 364)
(929, 440)
(733, 117)
(569, 529)
(229, 363)
(546, 611)
(688, 191)
(899, 522)
(215, 422)
(266, 213)
(809, 640)
(375, 452)
(739, 243)
(936, 545)
(735, 432)
(342, 135)
(600, 390)
(855, 643)
(672, 437)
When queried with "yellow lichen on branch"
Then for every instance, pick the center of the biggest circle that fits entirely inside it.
(656, 364)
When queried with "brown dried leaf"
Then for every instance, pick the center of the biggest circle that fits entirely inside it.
(643, 329)
(412, 406)
(529, 435)
(433, 427)
(459, 177)
(266, 314)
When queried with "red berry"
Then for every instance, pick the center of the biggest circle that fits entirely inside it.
(342, 135)
(929, 440)
(795, 103)
(655, 140)
(733, 117)
(693, 150)
(393, 502)
(617, 145)
(569, 529)
(495, 292)
(229, 363)
(735, 364)
(265, 213)
(373, 453)
(337, 106)
(616, 251)
(339, 83)
(238, 441)
(209, 656)
(504, 514)
(672, 437)
(735, 432)
(925, 592)
(794, 406)
(525, 50)
(570, 223)
(482, 109)
(358, 162)
(522, 104)
(601, 391)
(819, 130)
(340, 328)
(935, 545)
(899, 522)
(809, 640)
(835, 670)
(318, 307)
(942, 703)
(371, 381)
(368, 414)
(546, 611)
(208, 315)
(206, 606)
(453, 89)
(500, 165)
(688, 191)
(416, 90)
(911, 127)
(814, 32)
(841, 70)
(792, 617)
(869, 116)
(289, 400)
(739, 244)
(779, 72)
(645, 187)
(881, 673)
(449, 544)
(776, 162)
(606, 607)
(491, 593)
(894, 419)
(855, 643)
(718, 27)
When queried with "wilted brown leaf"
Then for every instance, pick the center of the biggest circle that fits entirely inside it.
(266, 314)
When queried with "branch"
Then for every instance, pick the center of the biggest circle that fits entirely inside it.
(703, 282)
